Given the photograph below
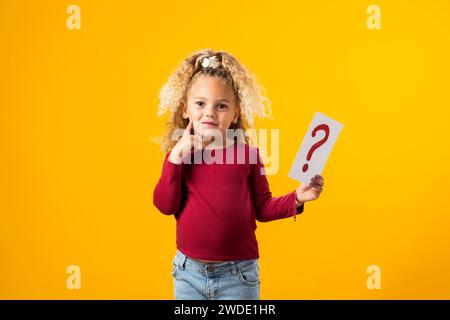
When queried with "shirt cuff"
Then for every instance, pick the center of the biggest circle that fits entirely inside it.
(171, 169)
(300, 208)
(295, 209)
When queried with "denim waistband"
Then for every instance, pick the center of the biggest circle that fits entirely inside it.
(183, 261)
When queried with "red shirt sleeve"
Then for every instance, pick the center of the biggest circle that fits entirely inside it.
(168, 190)
(270, 208)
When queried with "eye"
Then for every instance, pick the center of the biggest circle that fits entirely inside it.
(200, 103)
(222, 106)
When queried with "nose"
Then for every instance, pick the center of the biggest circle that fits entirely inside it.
(210, 112)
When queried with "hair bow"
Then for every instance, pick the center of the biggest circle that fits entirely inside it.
(211, 62)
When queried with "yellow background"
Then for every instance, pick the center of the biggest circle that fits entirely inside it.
(78, 168)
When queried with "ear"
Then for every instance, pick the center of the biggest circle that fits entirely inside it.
(184, 109)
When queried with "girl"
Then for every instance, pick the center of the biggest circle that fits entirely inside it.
(216, 204)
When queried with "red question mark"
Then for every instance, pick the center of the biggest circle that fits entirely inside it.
(315, 146)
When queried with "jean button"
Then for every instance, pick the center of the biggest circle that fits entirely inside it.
(210, 268)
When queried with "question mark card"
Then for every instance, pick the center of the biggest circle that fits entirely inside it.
(315, 148)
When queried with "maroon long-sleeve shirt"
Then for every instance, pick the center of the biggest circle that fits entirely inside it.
(216, 205)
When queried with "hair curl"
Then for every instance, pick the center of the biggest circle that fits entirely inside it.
(251, 100)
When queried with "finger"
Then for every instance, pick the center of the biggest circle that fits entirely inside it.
(317, 182)
(319, 177)
(316, 179)
(187, 132)
(316, 187)
(193, 141)
(320, 183)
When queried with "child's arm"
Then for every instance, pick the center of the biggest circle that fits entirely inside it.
(270, 208)
(167, 193)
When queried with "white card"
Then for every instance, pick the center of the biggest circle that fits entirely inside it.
(315, 150)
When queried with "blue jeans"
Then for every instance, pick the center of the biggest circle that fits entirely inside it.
(229, 280)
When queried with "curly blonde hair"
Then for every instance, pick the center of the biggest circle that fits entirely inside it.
(251, 100)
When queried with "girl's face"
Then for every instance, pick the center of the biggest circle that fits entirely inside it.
(212, 106)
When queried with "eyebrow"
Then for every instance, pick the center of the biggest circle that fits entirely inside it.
(207, 99)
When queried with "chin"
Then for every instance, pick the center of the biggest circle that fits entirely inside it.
(210, 132)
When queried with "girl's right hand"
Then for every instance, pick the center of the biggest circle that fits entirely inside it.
(185, 144)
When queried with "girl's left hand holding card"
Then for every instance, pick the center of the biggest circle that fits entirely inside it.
(310, 192)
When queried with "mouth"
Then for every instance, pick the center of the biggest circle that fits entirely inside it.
(209, 124)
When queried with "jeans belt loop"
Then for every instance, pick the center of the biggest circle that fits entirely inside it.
(234, 270)
(181, 260)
